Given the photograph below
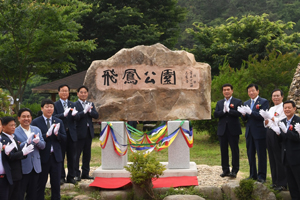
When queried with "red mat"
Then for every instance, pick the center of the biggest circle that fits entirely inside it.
(114, 183)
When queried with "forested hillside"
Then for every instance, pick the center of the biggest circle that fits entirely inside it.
(215, 12)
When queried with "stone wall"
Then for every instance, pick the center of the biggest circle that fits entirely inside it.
(294, 92)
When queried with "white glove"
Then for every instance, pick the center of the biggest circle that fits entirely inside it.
(27, 149)
(297, 127)
(265, 114)
(247, 109)
(74, 112)
(49, 132)
(30, 138)
(282, 127)
(36, 139)
(67, 111)
(224, 107)
(90, 110)
(9, 147)
(275, 128)
(56, 129)
(87, 108)
(241, 110)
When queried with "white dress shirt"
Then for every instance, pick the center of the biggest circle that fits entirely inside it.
(277, 113)
(50, 122)
(27, 132)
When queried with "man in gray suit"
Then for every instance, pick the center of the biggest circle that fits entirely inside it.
(31, 166)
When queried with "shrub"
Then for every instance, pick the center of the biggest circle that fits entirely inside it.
(245, 190)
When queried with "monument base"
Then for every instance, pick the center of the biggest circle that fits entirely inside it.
(192, 171)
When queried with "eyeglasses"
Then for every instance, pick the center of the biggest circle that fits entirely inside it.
(276, 96)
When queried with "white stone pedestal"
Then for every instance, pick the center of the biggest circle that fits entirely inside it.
(110, 159)
(178, 151)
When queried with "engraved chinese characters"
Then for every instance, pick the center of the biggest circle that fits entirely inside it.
(147, 77)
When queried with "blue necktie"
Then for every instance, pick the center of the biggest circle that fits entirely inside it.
(252, 104)
(288, 124)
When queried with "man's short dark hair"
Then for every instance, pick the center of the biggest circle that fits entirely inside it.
(7, 119)
(290, 101)
(227, 85)
(281, 92)
(46, 101)
(252, 85)
(23, 110)
(59, 87)
(82, 87)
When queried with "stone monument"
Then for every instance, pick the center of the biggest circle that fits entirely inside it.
(149, 83)
(294, 92)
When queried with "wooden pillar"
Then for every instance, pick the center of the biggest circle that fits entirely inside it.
(53, 97)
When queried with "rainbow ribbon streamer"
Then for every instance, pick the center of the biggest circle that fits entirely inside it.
(149, 141)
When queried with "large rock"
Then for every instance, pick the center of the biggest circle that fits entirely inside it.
(294, 92)
(150, 83)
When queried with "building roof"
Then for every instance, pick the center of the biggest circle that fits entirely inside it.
(74, 81)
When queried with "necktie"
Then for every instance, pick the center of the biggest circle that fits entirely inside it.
(65, 104)
(287, 124)
(48, 123)
(252, 104)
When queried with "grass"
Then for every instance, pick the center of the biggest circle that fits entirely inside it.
(202, 152)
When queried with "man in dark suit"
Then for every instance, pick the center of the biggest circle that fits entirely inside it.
(62, 109)
(85, 132)
(54, 135)
(256, 133)
(31, 166)
(5, 174)
(290, 139)
(229, 129)
(15, 155)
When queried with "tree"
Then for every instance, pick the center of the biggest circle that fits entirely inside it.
(4, 103)
(117, 24)
(275, 71)
(236, 40)
(38, 37)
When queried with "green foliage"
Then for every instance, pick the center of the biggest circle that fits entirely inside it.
(35, 108)
(144, 168)
(124, 24)
(211, 126)
(4, 103)
(274, 71)
(29, 97)
(38, 38)
(238, 39)
(245, 190)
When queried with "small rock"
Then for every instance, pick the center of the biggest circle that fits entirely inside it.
(183, 197)
(108, 194)
(210, 192)
(83, 197)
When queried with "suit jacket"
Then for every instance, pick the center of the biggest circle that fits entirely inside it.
(53, 140)
(14, 158)
(84, 119)
(33, 159)
(6, 166)
(255, 122)
(290, 150)
(69, 121)
(231, 118)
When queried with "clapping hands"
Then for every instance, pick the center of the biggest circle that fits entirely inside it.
(275, 128)
(27, 149)
(30, 138)
(49, 132)
(74, 112)
(265, 114)
(297, 127)
(282, 127)
(226, 107)
(244, 110)
(66, 112)
(56, 129)
(9, 147)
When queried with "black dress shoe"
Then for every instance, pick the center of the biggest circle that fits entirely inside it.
(62, 181)
(232, 174)
(77, 178)
(261, 180)
(87, 177)
(71, 180)
(273, 186)
(225, 174)
(280, 188)
(250, 178)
